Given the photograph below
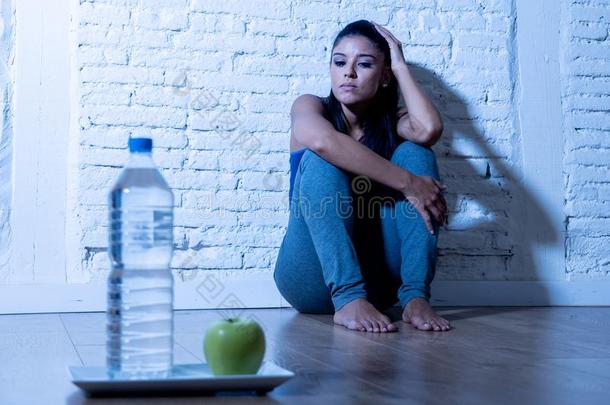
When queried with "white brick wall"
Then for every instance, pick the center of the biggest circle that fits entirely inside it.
(212, 82)
(586, 103)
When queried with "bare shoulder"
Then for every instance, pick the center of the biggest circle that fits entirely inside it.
(308, 122)
(307, 103)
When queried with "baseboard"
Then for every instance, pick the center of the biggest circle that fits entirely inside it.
(521, 293)
(232, 290)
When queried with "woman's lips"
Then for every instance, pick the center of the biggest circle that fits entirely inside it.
(347, 87)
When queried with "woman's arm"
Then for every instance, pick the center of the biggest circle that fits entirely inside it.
(311, 129)
(422, 124)
(419, 121)
(345, 152)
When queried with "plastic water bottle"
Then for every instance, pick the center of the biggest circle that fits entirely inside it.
(140, 286)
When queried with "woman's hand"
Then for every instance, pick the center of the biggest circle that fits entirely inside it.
(425, 193)
(396, 53)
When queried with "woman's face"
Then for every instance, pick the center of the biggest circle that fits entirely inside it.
(357, 70)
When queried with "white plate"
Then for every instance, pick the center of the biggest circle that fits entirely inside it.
(184, 378)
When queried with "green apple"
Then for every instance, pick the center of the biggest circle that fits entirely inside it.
(234, 346)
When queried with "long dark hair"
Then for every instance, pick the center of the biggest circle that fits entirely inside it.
(379, 123)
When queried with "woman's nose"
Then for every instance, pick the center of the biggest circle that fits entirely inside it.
(350, 73)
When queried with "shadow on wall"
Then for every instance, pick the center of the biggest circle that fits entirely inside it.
(487, 234)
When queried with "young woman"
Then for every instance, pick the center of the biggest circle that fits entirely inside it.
(355, 148)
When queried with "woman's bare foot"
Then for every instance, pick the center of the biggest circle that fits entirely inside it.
(361, 315)
(420, 314)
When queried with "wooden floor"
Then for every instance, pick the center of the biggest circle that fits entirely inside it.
(492, 356)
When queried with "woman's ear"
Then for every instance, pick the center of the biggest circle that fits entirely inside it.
(386, 77)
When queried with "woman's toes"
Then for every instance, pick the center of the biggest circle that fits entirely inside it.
(367, 325)
(374, 326)
(421, 324)
(355, 325)
(360, 326)
(386, 326)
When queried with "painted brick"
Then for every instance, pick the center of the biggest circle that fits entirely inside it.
(137, 116)
(256, 8)
(164, 19)
(117, 74)
(106, 94)
(103, 14)
(212, 81)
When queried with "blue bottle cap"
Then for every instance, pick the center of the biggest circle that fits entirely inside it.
(140, 144)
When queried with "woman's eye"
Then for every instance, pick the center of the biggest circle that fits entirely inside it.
(363, 64)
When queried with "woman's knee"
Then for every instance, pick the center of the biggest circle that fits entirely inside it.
(320, 182)
(418, 159)
(315, 165)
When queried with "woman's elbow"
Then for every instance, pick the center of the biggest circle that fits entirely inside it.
(431, 135)
(319, 144)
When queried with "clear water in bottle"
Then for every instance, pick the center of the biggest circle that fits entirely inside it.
(140, 285)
